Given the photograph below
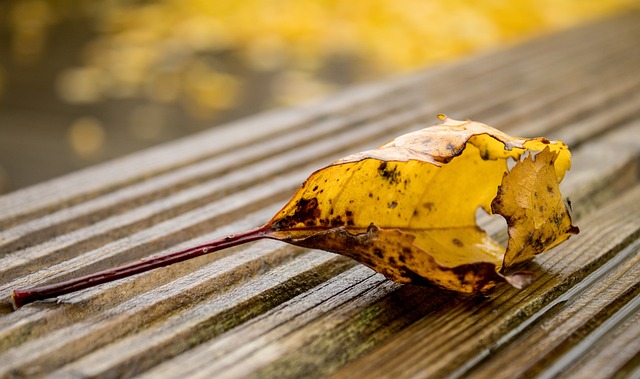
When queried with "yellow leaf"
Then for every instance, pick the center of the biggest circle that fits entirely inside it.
(532, 205)
(407, 209)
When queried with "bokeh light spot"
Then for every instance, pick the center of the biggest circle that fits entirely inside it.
(81, 85)
(86, 136)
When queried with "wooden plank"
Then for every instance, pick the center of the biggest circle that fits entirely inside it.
(236, 338)
(613, 351)
(590, 149)
(269, 309)
(560, 326)
(463, 332)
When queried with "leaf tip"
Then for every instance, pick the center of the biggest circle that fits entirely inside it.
(520, 280)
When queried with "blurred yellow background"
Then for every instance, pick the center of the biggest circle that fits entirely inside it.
(83, 81)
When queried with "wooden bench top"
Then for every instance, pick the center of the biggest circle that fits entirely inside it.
(272, 310)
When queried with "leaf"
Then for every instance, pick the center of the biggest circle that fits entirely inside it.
(533, 207)
(407, 209)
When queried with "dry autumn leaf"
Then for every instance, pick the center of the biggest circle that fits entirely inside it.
(408, 210)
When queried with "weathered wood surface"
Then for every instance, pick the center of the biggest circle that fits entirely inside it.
(273, 310)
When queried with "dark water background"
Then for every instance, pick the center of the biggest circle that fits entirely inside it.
(82, 82)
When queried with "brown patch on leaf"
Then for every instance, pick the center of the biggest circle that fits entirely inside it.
(306, 212)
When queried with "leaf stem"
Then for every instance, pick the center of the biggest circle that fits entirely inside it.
(21, 297)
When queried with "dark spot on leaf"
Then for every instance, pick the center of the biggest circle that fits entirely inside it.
(393, 176)
(428, 206)
(550, 189)
(457, 242)
(337, 221)
(413, 277)
(392, 204)
(307, 213)
(367, 261)
(378, 252)
(349, 215)
(406, 252)
(529, 240)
